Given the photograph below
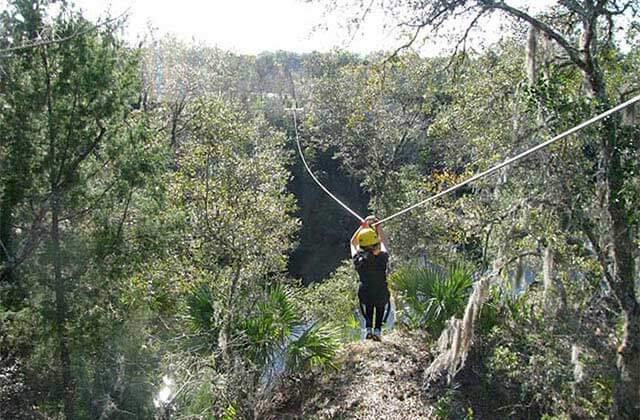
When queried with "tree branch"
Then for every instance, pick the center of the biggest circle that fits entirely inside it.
(516, 257)
(543, 27)
(63, 39)
(30, 244)
(597, 250)
(463, 39)
(404, 46)
(83, 155)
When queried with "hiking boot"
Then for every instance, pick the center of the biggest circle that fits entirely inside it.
(369, 336)
(376, 337)
(376, 334)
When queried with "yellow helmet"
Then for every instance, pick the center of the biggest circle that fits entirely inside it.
(368, 237)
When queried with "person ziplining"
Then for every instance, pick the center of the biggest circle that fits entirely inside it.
(370, 257)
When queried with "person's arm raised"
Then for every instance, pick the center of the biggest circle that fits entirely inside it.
(383, 245)
(354, 242)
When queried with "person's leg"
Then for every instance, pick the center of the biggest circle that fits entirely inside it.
(382, 313)
(387, 311)
(367, 313)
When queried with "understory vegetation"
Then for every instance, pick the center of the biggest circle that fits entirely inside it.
(164, 254)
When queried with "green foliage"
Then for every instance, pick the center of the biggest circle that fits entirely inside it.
(204, 313)
(277, 327)
(85, 165)
(430, 296)
(231, 188)
(527, 363)
(169, 185)
(449, 407)
(503, 305)
(270, 340)
(358, 106)
(270, 328)
(315, 347)
(334, 301)
(230, 413)
(529, 370)
(490, 313)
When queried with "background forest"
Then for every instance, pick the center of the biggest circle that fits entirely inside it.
(164, 254)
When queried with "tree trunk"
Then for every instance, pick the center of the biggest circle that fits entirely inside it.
(627, 392)
(61, 310)
(6, 242)
(532, 42)
(613, 145)
(620, 243)
(554, 295)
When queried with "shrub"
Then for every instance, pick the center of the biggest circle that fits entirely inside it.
(429, 296)
(334, 302)
(315, 347)
(527, 365)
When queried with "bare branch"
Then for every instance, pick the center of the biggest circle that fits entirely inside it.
(617, 11)
(573, 52)
(463, 39)
(574, 6)
(404, 46)
(359, 21)
(504, 265)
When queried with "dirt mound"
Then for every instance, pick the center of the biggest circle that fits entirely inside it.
(374, 380)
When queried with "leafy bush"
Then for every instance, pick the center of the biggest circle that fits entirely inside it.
(316, 346)
(527, 361)
(429, 296)
(271, 325)
(203, 311)
(269, 342)
(449, 406)
(490, 312)
(334, 301)
(500, 306)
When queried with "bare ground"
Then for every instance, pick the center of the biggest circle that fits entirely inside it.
(374, 380)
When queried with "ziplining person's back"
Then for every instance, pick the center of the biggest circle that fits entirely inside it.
(370, 258)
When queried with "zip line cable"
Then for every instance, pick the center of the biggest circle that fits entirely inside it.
(469, 180)
(295, 126)
(515, 158)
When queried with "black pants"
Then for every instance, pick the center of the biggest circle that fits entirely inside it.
(381, 313)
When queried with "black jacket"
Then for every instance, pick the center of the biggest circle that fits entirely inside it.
(372, 270)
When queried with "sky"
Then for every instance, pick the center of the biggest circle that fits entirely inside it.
(242, 26)
(254, 26)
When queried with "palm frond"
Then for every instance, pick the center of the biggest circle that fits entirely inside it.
(273, 322)
(429, 296)
(316, 346)
(203, 310)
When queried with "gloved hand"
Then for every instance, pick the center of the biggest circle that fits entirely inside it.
(369, 220)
